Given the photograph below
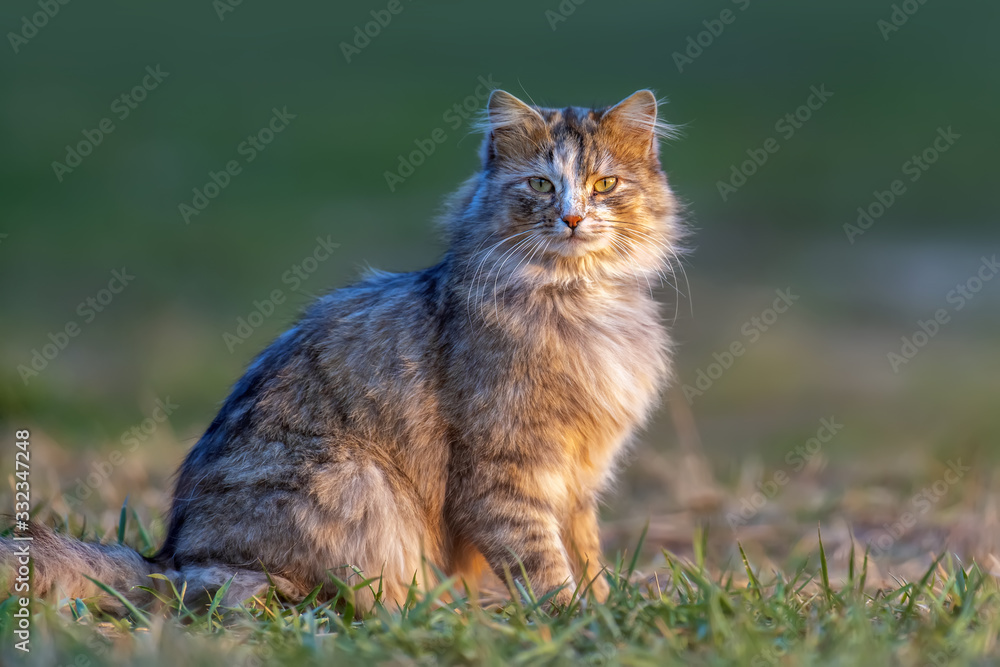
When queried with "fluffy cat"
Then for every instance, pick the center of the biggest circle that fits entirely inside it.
(470, 413)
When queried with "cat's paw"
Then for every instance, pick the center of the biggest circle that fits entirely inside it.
(562, 599)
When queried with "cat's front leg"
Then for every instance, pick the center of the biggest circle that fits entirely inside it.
(582, 539)
(513, 525)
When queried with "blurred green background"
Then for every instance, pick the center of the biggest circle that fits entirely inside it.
(323, 176)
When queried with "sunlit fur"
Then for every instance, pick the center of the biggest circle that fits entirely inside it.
(469, 414)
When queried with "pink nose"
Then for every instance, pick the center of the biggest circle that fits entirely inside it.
(572, 220)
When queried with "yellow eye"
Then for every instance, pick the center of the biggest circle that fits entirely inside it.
(540, 185)
(606, 184)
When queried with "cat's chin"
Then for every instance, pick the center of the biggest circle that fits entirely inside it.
(579, 245)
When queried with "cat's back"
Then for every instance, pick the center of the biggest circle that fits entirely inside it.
(355, 360)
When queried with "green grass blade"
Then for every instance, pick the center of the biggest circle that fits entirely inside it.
(864, 572)
(132, 609)
(850, 563)
(638, 548)
(122, 521)
(823, 567)
(216, 601)
(754, 582)
(147, 542)
(915, 589)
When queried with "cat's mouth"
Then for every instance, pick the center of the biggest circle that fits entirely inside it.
(577, 242)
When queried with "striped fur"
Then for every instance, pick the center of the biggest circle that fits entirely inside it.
(470, 413)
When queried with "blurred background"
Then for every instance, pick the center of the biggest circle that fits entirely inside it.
(114, 118)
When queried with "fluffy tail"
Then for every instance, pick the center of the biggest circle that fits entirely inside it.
(62, 565)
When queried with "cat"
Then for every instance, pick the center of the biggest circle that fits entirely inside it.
(467, 416)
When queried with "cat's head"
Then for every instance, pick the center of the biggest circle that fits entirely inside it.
(571, 193)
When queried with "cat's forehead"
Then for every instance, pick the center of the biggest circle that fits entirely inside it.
(574, 136)
(572, 124)
(571, 120)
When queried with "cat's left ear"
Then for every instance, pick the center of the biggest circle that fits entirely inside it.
(634, 121)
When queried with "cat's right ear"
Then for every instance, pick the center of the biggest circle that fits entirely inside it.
(506, 111)
(512, 128)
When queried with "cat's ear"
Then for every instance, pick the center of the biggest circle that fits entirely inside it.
(511, 127)
(634, 120)
(505, 110)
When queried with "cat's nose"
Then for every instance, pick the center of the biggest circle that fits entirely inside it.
(572, 220)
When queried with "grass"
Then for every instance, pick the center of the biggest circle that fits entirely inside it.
(684, 613)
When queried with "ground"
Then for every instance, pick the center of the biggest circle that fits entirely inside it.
(742, 573)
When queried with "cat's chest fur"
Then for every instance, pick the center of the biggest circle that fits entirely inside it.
(610, 351)
(575, 374)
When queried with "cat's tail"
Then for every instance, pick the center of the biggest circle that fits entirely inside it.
(60, 566)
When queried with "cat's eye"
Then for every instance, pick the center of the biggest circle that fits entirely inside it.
(540, 185)
(606, 184)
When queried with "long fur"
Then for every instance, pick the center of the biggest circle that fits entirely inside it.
(469, 414)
